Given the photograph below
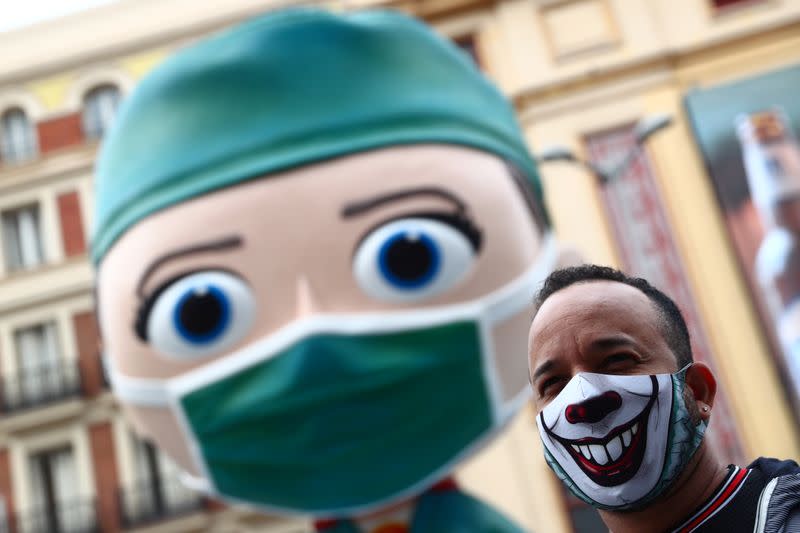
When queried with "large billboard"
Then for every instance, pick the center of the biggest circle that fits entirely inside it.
(747, 131)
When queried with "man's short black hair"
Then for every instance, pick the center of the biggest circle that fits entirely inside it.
(673, 326)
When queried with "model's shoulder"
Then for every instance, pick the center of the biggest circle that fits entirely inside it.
(771, 468)
(779, 503)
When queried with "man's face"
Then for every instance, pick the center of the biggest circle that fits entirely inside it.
(606, 434)
(602, 327)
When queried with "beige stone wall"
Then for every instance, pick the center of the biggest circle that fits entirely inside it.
(640, 58)
(572, 66)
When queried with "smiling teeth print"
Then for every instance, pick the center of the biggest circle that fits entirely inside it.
(610, 450)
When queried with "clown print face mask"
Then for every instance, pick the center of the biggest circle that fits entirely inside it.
(617, 442)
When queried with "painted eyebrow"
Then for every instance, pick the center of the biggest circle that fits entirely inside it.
(225, 243)
(362, 206)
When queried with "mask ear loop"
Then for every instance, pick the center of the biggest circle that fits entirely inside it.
(682, 374)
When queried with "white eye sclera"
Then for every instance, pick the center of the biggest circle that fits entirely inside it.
(411, 259)
(200, 314)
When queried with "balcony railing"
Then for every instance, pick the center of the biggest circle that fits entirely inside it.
(148, 501)
(74, 516)
(39, 386)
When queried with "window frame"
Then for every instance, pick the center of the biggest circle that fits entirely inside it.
(16, 151)
(14, 261)
(21, 448)
(97, 114)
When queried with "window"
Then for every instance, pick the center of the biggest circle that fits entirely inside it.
(38, 365)
(4, 525)
(647, 249)
(43, 375)
(100, 106)
(157, 492)
(22, 238)
(17, 137)
(57, 505)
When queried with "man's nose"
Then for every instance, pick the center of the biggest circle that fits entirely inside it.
(594, 409)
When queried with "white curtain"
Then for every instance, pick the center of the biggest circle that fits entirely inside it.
(66, 506)
(17, 138)
(30, 244)
(34, 519)
(100, 108)
(175, 493)
(140, 498)
(22, 237)
(11, 242)
(41, 374)
(4, 518)
(72, 511)
(37, 484)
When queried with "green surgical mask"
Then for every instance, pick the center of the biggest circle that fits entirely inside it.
(342, 414)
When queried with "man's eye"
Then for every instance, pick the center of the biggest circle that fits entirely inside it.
(618, 359)
(550, 386)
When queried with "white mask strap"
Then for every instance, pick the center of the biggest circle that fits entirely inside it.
(139, 391)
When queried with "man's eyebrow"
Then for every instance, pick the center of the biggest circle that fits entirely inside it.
(362, 206)
(225, 243)
(544, 367)
(609, 343)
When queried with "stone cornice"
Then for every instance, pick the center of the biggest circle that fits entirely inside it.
(46, 168)
(130, 26)
(675, 60)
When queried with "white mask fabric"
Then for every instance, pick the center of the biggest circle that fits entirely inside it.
(617, 442)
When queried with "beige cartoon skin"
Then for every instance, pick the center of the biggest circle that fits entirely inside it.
(293, 238)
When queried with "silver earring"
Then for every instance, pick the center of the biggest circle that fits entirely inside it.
(705, 408)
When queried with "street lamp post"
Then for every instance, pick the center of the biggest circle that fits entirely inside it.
(610, 171)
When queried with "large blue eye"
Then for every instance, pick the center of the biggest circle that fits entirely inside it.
(412, 259)
(409, 259)
(200, 314)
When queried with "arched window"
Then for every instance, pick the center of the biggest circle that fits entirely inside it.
(17, 137)
(99, 107)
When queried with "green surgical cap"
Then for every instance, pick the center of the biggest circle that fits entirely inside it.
(288, 89)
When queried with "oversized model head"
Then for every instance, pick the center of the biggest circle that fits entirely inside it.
(317, 238)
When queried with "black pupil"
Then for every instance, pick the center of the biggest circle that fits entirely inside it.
(409, 259)
(201, 313)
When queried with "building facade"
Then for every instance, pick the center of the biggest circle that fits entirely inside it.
(581, 74)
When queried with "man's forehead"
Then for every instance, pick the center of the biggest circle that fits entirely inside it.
(590, 305)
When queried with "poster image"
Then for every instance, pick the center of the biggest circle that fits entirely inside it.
(748, 133)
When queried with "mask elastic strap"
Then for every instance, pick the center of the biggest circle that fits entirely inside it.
(519, 294)
(138, 391)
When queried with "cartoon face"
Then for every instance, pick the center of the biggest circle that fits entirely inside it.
(609, 434)
(400, 228)
(419, 228)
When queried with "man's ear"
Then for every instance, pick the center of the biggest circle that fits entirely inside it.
(703, 384)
